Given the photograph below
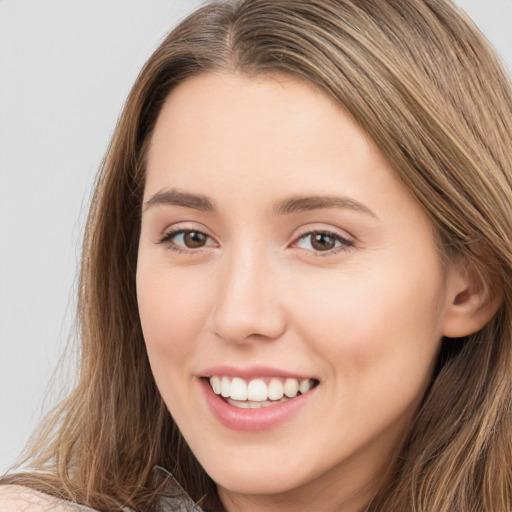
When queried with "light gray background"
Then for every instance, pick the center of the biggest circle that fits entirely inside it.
(65, 70)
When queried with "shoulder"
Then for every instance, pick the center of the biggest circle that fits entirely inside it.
(16, 498)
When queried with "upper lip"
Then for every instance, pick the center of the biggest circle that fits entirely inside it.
(252, 372)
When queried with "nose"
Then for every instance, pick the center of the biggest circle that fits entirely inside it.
(248, 305)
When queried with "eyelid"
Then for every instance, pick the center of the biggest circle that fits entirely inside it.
(324, 228)
(347, 240)
(172, 231)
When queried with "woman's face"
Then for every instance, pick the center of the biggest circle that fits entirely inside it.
(279, 252)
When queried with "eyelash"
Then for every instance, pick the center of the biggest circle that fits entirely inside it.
(345, 244)
(167, 238)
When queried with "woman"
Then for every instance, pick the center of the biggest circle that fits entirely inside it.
(295, 286)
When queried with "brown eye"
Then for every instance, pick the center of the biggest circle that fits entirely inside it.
(194, 239)
(184, 239)
(322, 241)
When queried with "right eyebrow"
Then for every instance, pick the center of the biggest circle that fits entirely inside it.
(176, 198)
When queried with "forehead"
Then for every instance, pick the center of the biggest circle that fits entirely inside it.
(223, 102)
(216, 121)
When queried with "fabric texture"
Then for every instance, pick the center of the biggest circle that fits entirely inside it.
(174, 498)
(16, 498)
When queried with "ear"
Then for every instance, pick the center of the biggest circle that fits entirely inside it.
(471, 301)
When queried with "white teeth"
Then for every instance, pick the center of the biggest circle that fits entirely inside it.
(254, 405)
(257, 391)
(215, 383)
(305, 385)
(291, 387)
(275, 389)
(225, 387)
(238, 389)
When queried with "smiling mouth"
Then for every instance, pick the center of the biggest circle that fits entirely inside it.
(261, 392)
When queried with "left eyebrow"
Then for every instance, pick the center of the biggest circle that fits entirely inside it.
(305, 203)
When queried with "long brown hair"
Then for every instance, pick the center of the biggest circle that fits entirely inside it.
(429, 90)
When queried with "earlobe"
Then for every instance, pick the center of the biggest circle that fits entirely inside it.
(471, 303)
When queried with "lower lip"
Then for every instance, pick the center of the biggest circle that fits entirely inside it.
(252, 420)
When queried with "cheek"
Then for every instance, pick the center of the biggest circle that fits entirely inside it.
(360, 324)
(172, 311)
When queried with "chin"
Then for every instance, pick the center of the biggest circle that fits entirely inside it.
(263, 473)
(254, 483)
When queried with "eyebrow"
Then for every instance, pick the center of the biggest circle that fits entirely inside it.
(176, 198)
(288, 206)
(305, 203)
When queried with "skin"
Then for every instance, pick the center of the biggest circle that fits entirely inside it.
(365, 318)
